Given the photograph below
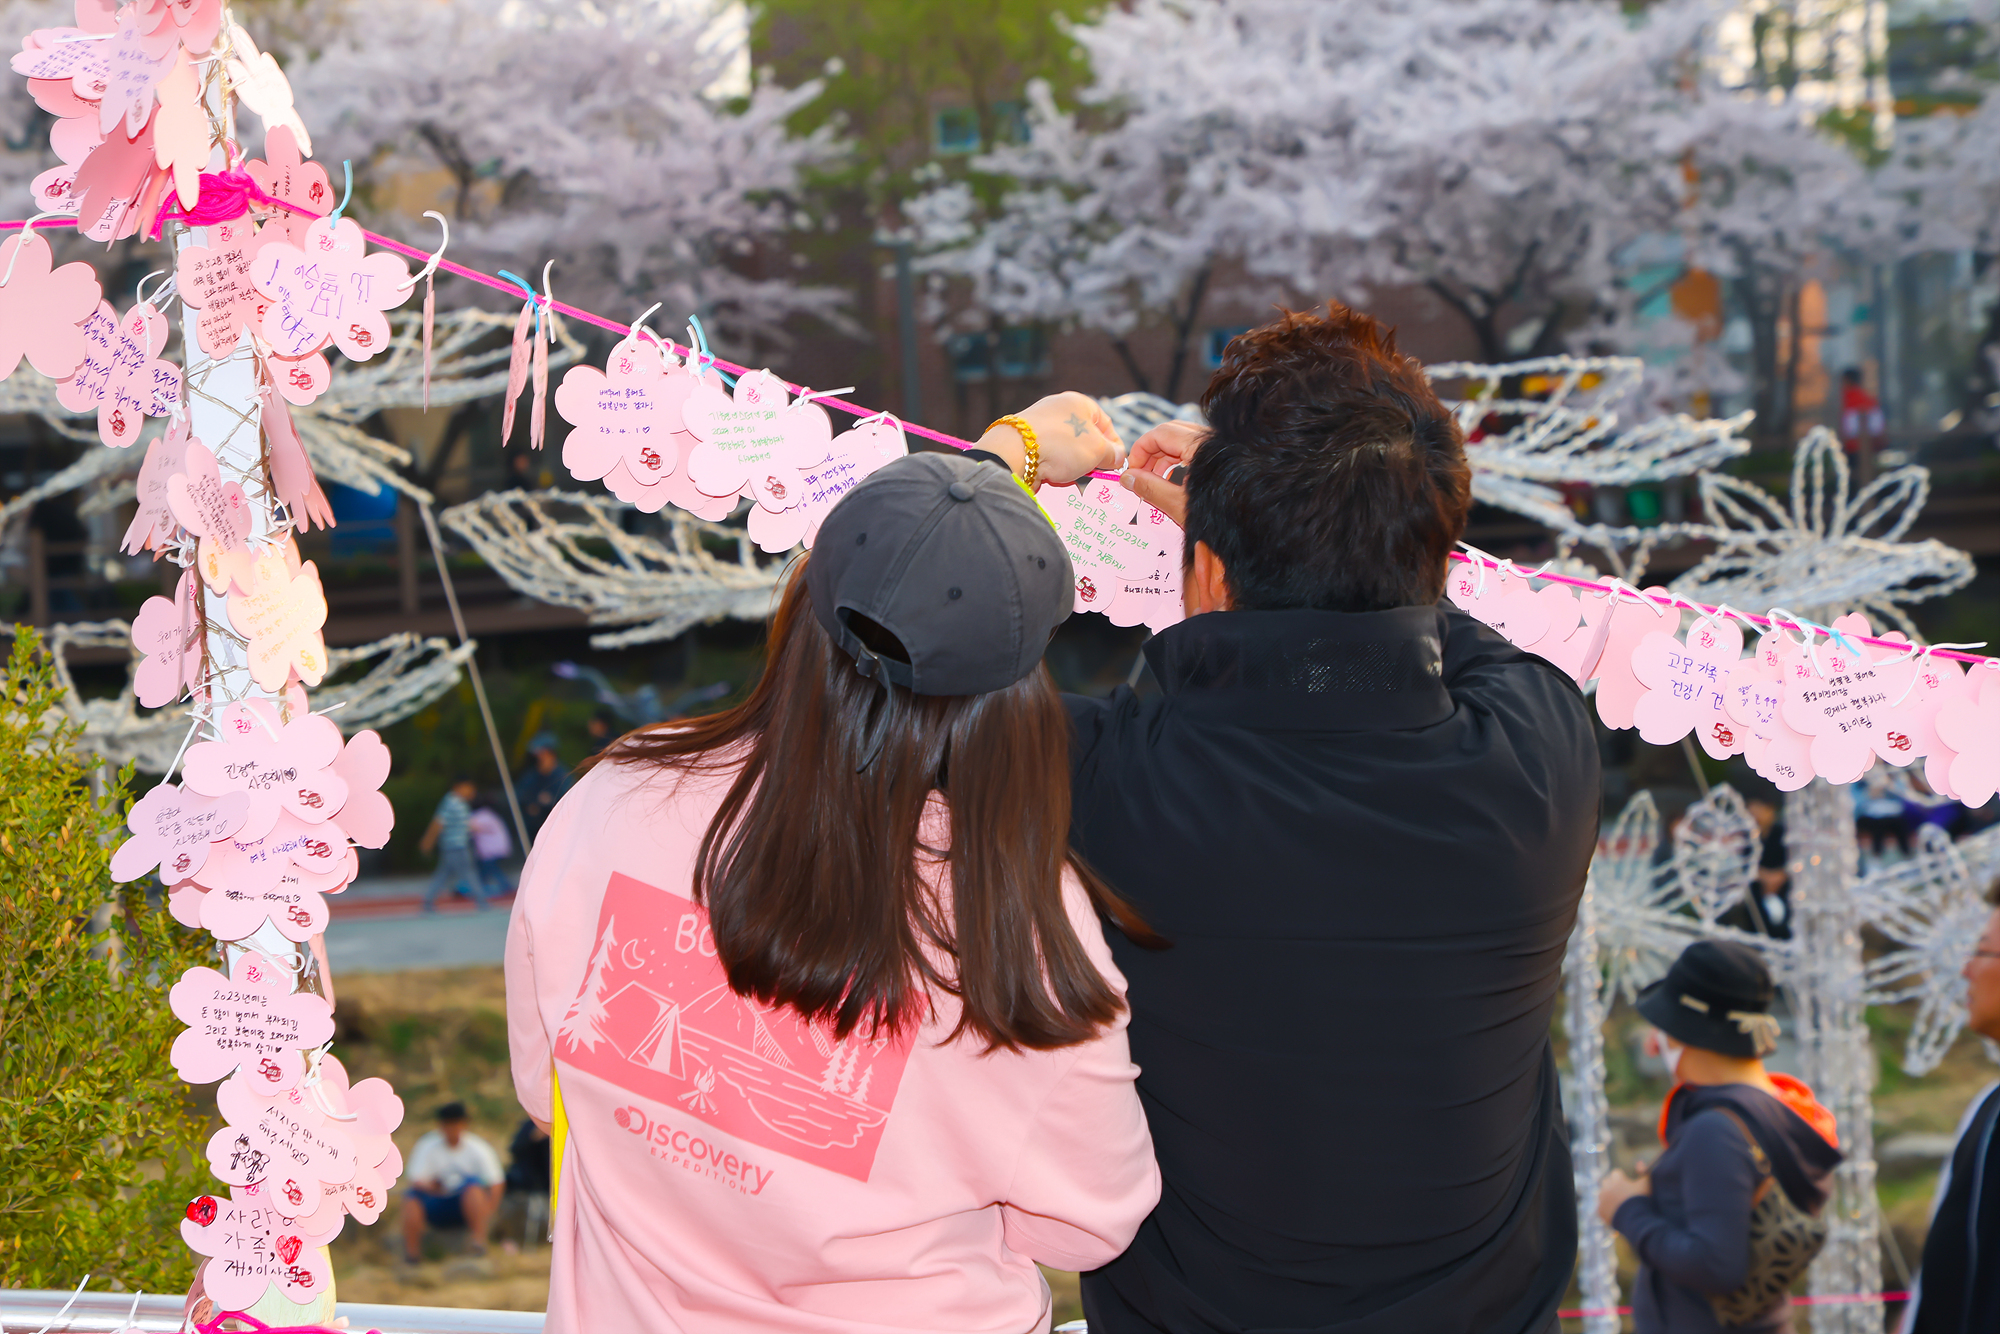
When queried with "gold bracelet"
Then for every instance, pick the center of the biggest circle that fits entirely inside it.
(1033, 473)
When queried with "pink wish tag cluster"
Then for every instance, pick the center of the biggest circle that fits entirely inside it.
(656, 431)
(1551, 622)
(265, 822)
(1806, 702)
(299, 1161)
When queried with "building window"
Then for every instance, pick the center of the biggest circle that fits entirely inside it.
(1010, 122)
(1218, 339)
(956, 130)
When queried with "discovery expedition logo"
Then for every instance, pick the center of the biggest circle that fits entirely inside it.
(691, 1153)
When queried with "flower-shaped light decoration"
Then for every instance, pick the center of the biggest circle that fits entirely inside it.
(1824, 552)
(1649, 909)
(1933, 907)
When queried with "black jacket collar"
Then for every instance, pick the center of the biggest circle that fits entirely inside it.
(1339, 671)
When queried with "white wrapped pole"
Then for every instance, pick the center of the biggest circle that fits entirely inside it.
(1835, 1053)
(1590, 1121)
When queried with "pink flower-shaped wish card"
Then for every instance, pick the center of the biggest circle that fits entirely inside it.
(1509, 604)
(291, 905)
(68, 54)
(1968, 731)
(43, 309)
(1753, 698)
(1098, 521)
(154, 521)
(252, 1249)
(630, 411)
(1579, 647)
(750, 442)
(1910, 722)
(1632, 619)
(1685, 683)
(291, 471)
(214, 278)
(1152, 596)
(281, 616)
(291, 856)
(121, 377)
(198, 22)
(168, 632)
(251, 1020)
(134, 66)
(285, 1141)
(329, 287)
(853, 455)
(366, 815)
(283, 173)
(1831, 694)
(213, 510)
(113, 184)
(172, 830)
(288, 767)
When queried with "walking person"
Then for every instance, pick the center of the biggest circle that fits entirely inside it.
(492, 845)
(1363, 820)
(814, 985)
(541, 785)
(1958, 1286)
(450, 833)
(1727, 1217)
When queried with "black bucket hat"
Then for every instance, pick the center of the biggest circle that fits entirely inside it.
(1717, 996)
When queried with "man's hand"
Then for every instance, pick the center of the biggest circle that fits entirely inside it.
(1075, 435)
(430, 838)
(1619, 1188)
(1157, 468)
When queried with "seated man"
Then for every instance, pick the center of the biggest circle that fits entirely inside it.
(455, 1181)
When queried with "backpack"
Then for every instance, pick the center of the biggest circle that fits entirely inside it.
(1784, 1240)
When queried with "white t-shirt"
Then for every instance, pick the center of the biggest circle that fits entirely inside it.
(472, 1162)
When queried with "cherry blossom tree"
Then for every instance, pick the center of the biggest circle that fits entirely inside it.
(1495, 153)
(1503, 156)
(619, 139)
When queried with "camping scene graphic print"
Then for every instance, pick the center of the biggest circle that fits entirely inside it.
(656, 1017)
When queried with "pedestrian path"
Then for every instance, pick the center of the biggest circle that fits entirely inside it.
(378, 926)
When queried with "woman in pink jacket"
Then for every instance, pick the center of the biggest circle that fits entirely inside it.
(813, 986)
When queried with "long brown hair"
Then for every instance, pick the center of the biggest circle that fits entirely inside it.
(810, 868)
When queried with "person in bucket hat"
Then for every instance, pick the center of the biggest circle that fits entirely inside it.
(1727, 1124)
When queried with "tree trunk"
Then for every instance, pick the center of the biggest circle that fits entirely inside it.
(1183, 326)
(1139, 380)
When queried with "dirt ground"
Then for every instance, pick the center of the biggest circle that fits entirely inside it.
(442, 1036)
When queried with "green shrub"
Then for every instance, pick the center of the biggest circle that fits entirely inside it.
(100, 1143)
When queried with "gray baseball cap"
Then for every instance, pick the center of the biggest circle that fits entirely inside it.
(955, 560)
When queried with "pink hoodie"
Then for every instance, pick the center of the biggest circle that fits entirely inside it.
(730, 1167)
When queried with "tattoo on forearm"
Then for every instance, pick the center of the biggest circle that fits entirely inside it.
(1078, 424)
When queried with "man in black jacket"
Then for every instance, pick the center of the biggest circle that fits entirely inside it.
(1363, 820)
(1958, 1290)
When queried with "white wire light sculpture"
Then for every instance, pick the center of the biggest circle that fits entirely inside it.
(1823, 551)
(574, 550)
(404, 673)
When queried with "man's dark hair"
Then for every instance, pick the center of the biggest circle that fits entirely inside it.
(452, 1111)
(1333, 478)
(1993, 894)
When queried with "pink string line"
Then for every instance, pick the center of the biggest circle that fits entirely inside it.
(576, 313)
(1704, 609)
(1841, 1299)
